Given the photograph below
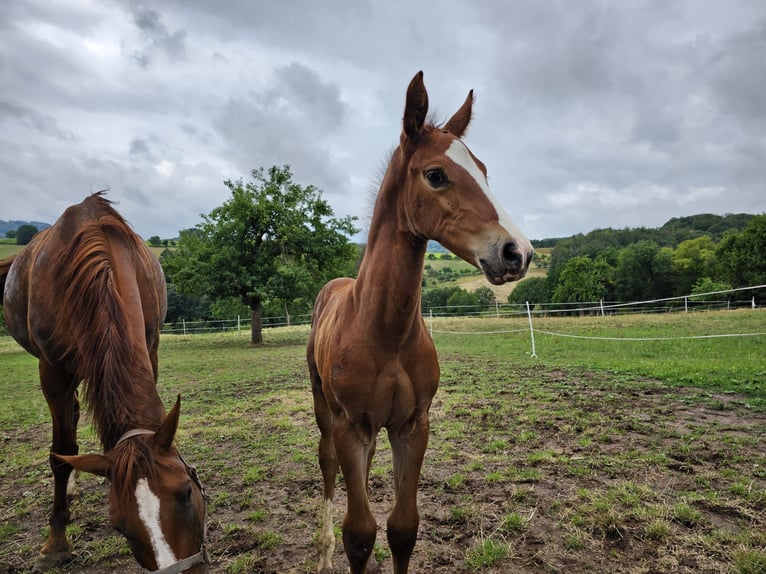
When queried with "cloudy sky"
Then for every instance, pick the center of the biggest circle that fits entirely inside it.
(588, 114)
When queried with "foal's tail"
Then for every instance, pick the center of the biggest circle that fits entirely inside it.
(5, 266)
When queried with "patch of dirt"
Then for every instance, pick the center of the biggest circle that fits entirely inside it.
(604, 476)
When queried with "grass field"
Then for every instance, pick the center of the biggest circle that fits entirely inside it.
(593, 456)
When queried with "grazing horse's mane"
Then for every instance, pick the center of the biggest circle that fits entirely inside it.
(97, 347)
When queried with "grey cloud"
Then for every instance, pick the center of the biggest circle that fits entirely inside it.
(157, 37)
(289, 122)
(41, 123)
(140, 148)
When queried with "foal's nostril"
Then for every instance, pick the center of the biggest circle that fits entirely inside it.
(512, 256)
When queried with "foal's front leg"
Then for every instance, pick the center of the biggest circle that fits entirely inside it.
(60, 390)
(353, 445)
(408, 446)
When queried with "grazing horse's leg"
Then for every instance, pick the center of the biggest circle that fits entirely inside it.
(60, 390)
(353, 444)
(408, 446)
(328, 462)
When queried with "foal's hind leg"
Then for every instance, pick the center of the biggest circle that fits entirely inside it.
(328, 463)
(60, 390)
(408, 446)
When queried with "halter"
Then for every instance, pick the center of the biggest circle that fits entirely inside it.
(201, 557)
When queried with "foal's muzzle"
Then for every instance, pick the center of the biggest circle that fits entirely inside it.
(511, 264)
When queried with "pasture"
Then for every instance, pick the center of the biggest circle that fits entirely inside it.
(593, 456)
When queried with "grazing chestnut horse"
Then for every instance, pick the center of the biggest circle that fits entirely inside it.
(87, 298)
(371, 359)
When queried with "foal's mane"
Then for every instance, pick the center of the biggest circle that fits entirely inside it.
(93, 321)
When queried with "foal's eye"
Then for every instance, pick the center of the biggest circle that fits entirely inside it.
(436, 177)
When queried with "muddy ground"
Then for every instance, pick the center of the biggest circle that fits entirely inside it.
(575, 473)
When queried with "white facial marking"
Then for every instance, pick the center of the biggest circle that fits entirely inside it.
(149, 512)
(458, 153)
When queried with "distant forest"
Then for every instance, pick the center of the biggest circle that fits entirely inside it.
(675, 231)
(6, 226)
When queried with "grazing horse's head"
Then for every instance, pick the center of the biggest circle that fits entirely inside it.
(156, 500)
(447, 193)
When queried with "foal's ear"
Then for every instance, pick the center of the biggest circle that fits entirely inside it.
(416, 107)
(93, 463)
(457, 123)
(163, 438)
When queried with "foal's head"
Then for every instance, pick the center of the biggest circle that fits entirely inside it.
(446, 194)
(155, 499)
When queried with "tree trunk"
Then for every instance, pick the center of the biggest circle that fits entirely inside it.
(256, 327)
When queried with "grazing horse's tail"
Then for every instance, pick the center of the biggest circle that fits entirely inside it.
(5, 266)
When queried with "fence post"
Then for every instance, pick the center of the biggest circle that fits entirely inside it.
(753, 302)
(602, 307)
(183, 321)
(431, 322)
(497, 310)
(531, 331)
(686, 304)
(238, 326)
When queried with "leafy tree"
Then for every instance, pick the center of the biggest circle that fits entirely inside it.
(437, 297)
(582, 280)
(741, 255)
(273, 239)
(534, 289)
(11, 234)
(633, 278)
(692, 259)
(461, 301)
(185, 306)
(484, 295)
(25, 233)
(708, 285)
(228, 308)
(155, 241)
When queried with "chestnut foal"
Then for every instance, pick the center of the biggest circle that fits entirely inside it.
(371, 359)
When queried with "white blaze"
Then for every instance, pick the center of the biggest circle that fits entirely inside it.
(459, 153)
(149, 513)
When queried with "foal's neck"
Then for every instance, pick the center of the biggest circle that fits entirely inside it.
(388, 285)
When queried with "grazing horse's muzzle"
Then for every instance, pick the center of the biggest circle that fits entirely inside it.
(510, 264)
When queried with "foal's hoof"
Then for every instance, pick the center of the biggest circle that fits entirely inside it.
(45, 562)
(372, 566)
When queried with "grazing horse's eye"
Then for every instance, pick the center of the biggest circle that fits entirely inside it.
(436, 177)
(187, 495)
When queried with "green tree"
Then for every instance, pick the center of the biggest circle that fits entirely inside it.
(708, 285)
(534, 289)
(582, 280)
(155, 241)
(741, 255)
(644, 271)
(484, 295)
(437, 297)
(462, 302)
(185, 306)
(11, 234)
(273, 239)
(693, 259)
(25, 233)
